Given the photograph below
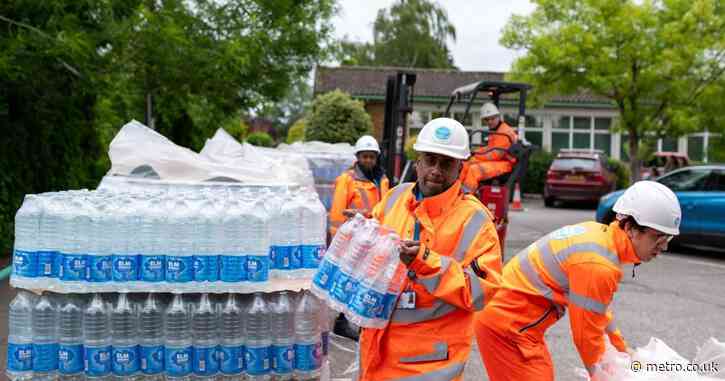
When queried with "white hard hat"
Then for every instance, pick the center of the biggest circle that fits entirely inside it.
(444, 136)
(489, 109)
(651, 204)
(366, 143)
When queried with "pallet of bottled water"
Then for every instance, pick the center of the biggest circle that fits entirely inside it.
(361, 275)
(119, 336)
(169, 239)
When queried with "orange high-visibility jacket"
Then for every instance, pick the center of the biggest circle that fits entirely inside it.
(578, 267)
(455, 272)
(354, 191)
(493, 163)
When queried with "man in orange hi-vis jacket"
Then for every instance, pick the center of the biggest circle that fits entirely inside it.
(578, 267)
(361, 187)
(492, 160)
(451, 249)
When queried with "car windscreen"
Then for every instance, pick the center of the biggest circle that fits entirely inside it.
(569, 163)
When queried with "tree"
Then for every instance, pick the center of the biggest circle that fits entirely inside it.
(293, 106)
(336, 118)
(296, 133)
(412, 33)
(261, 139)
(653, 59)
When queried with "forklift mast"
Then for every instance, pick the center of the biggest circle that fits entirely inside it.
(398, 104)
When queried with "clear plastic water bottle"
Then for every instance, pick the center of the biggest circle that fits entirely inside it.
(49, 258)
(179, 260)
(45, 339)
(308, 339)
(369, 300)
(100, 254)
(291, 214)
(233, 259)
(257, 241)
(153, 256)
(74, 225)
(178, 350)
(325, 328)
(124, 338)
(283, 334)
(97, 340)
(151, 339)
(27, 244)
(20, 338)
(280, 261)
(314, 227)
(204, 330)
(70, 339)
(331, 262)
(206, 244)
(232, 340)
(345, 283)
(125, 257)
(258, 328)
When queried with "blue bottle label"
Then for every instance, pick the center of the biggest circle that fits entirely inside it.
(231, 359)
(206, 361)
(281, 257)
(20, 357)
(152, 359)
(206, 268)
(153, 268)
(388, 306)
(125, 268)
(257, 268)
(179, 269)
(257, 360)
(98, 361)
(73, 267)
(296, 257)
(45, 357)
(233, 268)
(70, 358)
(49, 264)
(312, 256)
(325, 275)
(178, 361)
(25, 263)
(283, 357)
(343, 287)
(308, 356)
(99, 268)
(367, 302)
(125, 360)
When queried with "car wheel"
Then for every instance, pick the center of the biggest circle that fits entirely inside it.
(549, 202)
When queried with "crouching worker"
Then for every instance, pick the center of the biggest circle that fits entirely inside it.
(576, 267)
(453, 256)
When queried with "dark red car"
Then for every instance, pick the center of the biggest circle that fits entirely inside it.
(578, 175)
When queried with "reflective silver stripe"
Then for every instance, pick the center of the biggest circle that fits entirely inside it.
(364, 196)
(397, 191)
(527, 268)
(588, 303)
(431, 283)
(588, 247)
(469, 234)
(419, 314)
(440, 352)
(477, 295)
(448, 373)
(553, 261)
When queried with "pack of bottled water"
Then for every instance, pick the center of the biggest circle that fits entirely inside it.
(361, 274)
(280, 336)
(180, 239)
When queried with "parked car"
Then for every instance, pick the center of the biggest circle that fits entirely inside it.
(578, 175)
(661, 163)
(701, 191)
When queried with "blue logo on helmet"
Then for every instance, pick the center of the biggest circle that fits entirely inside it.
(442, 133)
(677, 221)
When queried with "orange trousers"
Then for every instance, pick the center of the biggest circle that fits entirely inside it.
(510, 336)
(476, 171)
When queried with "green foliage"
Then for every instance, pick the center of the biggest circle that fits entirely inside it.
(410, 153)
(261, 139)
(716, 149)
(654, 60)
(622, 171)
(539, 163)
(292, 107)
(412, 33)
(296, 133)
(337, 118)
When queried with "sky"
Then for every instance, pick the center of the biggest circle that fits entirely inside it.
(478, 28)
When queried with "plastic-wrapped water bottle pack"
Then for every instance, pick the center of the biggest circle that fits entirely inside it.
(210, 239)
(361, 274)
(280, 336)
